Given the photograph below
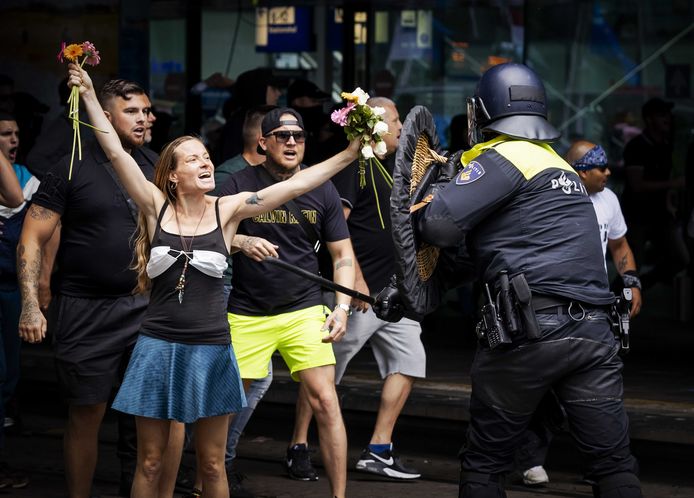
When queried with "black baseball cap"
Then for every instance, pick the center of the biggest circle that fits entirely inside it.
(655, 106)
(304, 88)
(273, 120)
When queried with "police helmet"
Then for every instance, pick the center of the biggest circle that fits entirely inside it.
(510, 99)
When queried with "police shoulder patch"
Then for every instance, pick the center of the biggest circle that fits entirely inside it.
(473, 171)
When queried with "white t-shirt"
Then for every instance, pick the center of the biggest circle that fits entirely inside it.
(610, 217)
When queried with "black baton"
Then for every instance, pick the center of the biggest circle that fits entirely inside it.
(323, 282)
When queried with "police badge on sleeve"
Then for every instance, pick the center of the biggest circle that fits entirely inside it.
(470, 173)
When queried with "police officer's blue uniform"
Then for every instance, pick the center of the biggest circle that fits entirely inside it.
(520, 208)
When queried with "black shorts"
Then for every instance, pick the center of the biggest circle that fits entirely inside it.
(92, 341)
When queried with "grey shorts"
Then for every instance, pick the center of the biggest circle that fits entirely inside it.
(397, 347)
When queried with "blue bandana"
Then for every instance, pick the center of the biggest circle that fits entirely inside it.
(594, 158)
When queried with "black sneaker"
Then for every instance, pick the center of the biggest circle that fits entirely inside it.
(299, 465)
(385, 464)
(236, 488)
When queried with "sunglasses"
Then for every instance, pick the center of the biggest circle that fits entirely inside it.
(284, 135)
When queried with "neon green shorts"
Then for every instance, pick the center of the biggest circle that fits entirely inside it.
(296, 335)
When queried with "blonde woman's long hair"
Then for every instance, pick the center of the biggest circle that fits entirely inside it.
(165, 165)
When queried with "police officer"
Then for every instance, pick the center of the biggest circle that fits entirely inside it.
(521, 209)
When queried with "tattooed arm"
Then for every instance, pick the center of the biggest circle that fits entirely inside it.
(343, 273)
(249, 204)
(624, 261)
(50, 250)
(39, 226)
(256, 248)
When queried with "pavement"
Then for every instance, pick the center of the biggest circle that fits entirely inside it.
(658, 384)
(658, 372)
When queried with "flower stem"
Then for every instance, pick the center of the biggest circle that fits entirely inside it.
(72, 156)
(362, 172)
(378, 202)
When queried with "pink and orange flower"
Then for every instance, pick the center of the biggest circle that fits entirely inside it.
(72, 53)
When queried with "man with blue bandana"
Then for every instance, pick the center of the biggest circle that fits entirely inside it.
(590, 162)
(528, 224)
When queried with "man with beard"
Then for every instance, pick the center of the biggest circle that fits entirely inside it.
(271, 309)
(94, 317)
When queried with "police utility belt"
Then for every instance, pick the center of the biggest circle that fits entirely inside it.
(512, 313)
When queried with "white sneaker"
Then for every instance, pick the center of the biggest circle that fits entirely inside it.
(535, 475)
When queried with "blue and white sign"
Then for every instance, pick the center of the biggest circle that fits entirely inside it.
(284, 29)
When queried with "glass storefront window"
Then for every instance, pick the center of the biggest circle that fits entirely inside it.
(434, 57)
(167, 70)
(602, 60)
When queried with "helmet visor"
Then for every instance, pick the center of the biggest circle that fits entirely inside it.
(474, 134)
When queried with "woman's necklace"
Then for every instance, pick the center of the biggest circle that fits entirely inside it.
(187, 249)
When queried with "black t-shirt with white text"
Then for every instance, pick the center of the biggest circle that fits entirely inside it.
(260, 289)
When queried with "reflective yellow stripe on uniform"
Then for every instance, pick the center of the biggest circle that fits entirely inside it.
(529, 157)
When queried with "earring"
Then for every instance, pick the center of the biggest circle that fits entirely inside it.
(173, 185)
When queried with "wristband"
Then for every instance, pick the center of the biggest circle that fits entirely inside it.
(631, 279)
(344, 307)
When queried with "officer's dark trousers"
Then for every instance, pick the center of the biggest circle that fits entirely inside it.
(577, 357)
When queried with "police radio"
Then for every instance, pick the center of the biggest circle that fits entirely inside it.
(490, 329)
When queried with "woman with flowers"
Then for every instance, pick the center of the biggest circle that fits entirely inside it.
(183, 367)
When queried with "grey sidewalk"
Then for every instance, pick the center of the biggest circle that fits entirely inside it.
(658, 373)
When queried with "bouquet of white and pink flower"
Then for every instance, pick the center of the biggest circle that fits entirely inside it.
(363, 122)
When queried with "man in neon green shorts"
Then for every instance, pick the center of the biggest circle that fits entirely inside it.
(271, 309)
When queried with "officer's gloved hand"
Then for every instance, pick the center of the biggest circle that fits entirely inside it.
(451, 168)
(388, 305)
(446, 172)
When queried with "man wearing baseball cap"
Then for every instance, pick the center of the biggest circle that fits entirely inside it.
(271, 309)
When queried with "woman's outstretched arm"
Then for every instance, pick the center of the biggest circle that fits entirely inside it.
(254, 203)
(140, 189)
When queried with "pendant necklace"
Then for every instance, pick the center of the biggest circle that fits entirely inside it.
(187, 249)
